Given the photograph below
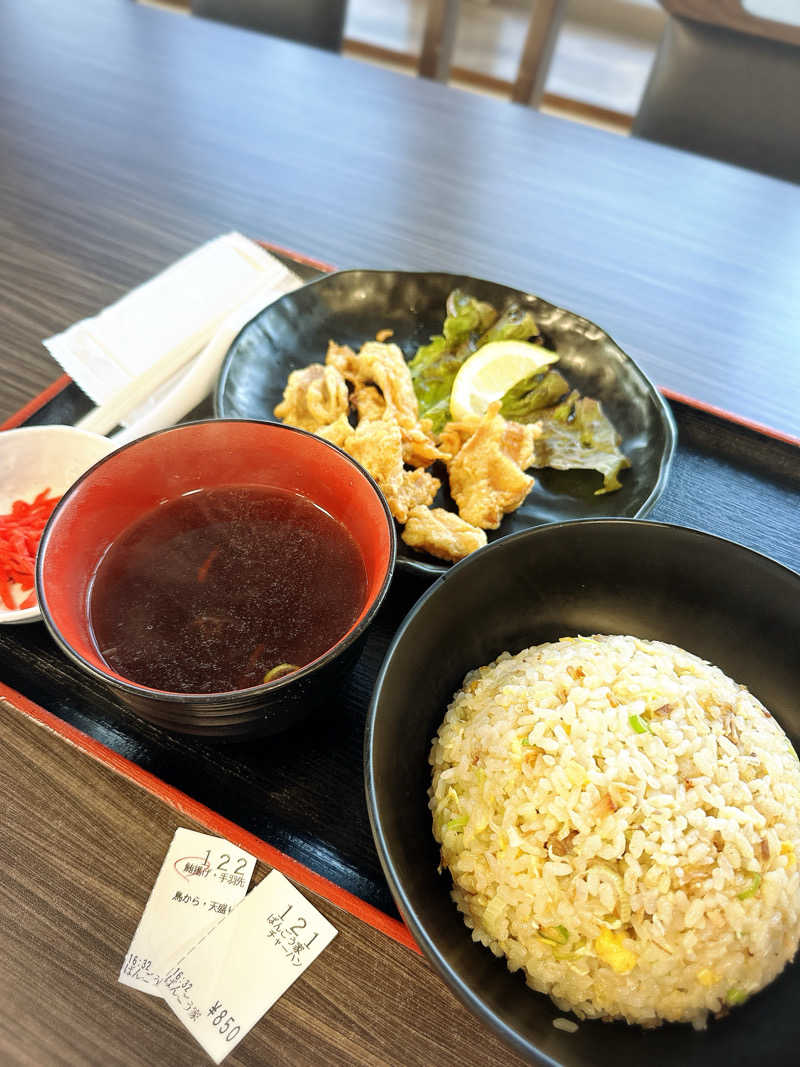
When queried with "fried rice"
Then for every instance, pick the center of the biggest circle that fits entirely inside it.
(621, 820)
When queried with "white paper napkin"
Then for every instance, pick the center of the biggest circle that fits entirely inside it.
(151, 357)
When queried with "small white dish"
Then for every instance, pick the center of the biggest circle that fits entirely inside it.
(39, 457)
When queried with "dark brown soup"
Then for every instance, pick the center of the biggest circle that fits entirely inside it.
(214, 590)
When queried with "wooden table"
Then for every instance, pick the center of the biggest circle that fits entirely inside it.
(129, 135)
(81, 845)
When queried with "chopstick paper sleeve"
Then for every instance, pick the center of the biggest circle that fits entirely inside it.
(129, 350)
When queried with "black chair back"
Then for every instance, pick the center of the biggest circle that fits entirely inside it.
(315, 22)
(725, 94)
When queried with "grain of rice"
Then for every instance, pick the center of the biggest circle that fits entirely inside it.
(567, 1025)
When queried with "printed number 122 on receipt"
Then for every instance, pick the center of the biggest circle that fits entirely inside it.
(202, 880)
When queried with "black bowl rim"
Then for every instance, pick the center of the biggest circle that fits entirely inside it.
(662, 408)
(213, 702)
(404, 905)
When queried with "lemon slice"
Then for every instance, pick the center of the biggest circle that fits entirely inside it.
(490, 372)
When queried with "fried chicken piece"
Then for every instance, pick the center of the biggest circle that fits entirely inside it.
(384, 365)
(377, 445)
(487, 478)
(418, 488)
(338, 432)
(314, 396)
(382, 385)
(455, 435)
(519, 444)
(344, 359)
(368, 401)
(378, 365)
(440, 533)
(519, 441)
(419, 448)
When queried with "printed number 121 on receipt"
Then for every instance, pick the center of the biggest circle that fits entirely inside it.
(220, 988)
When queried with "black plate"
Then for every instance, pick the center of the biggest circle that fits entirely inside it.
(351, 306)
(731, 606)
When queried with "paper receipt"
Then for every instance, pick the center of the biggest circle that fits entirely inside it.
(221, 987)
(202, 879)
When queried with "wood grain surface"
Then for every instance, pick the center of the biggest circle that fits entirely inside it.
(128, 135)
(80, 848)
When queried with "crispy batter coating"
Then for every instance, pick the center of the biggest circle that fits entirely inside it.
(378, 365)
(440, 533)
(455, 435)
(338, 432)
(417, 488)
(377, 445)
(368, 401)
(519, 442)
(486, 457)
(384, 365)
(419, 448)
(313, 397)
(371, 402)
(487, 478)
(344, 359)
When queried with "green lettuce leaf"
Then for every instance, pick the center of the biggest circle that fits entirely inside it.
(524, 400)
(469, 324)
(514, 324)
(466, 317)
(578, 435)
(435, 365)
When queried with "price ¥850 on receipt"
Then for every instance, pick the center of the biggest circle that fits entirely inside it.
(221, 987)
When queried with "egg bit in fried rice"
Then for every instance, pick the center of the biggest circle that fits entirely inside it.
(621, 820)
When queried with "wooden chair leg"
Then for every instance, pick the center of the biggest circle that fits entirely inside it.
(439, 38)
(537, 52)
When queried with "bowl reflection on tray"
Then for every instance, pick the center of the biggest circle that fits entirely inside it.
(350, 307)
(728, 605)
(252, 492)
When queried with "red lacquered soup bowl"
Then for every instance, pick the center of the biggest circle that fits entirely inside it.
(138, 478)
